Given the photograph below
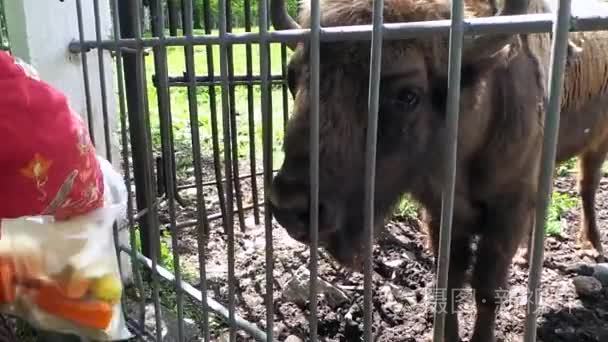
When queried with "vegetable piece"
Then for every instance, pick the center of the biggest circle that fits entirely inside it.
(72, 283)
(107, 288)
(7, 282)
(26, 255)
(87, 313)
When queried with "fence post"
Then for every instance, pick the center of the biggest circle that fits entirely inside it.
(39, 33)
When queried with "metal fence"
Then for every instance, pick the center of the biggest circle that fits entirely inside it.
(150, 165)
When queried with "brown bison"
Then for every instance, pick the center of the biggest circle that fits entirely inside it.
(499, 140)
(584, 107)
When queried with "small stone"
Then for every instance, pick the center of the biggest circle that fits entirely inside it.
(293, 338)
(278, 328)
(169, 323)
(394, 263)
(297, 289)
(600, 272)
(586, 286)
(225, 337)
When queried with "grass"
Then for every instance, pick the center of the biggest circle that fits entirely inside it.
(406, 208)
(180, 105)
(560, 204)
(566, 168)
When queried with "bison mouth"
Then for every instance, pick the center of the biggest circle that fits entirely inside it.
(344, 240)
(347, 248)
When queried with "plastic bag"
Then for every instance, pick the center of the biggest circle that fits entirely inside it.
(63, 276)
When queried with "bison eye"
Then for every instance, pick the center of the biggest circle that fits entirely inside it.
(408, 98)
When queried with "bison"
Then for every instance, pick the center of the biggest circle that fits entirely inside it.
(499, 142)
(584, 114)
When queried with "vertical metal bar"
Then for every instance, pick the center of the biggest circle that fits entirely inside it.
(166, 130)
(561, 28)
(125, 160)
(284, 85)
(172, 7)
(370, 161)
(146, 171)
(251, 117)
(202, 224)
(233, 125)
(136, 99)
(213, 112)
(447, 198)
(315, 65)
(267, 155)
(228, 219)
(165, 118)
(102, 83)
(85, 71)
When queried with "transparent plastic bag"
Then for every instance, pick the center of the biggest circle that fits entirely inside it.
(63, 276)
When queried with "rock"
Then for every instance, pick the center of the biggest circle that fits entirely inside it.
(278, 328)
(169, 323)
(580, 269)
(600, 272)
(297, 289)
(396, 263)
(224, 337)
(586, 286)
(293, 338)
(389, 303)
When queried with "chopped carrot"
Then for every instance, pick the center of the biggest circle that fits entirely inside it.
(75, 288)
(87, 313)
(72, 283)
(7, 282)
(27, 267)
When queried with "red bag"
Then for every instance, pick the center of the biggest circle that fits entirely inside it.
(47, 161)
(58, 265)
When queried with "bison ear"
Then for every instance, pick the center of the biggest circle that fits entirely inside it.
(500, 58)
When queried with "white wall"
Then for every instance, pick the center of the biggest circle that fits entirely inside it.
(40, 32)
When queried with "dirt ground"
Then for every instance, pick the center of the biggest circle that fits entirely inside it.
(402, 282)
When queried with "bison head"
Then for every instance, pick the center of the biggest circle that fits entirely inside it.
(411, 126)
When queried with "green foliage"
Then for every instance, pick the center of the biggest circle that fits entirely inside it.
(166, 257)
(560, 204)
(566, 168)
(238, 12)
(407, 208)
(181, 125)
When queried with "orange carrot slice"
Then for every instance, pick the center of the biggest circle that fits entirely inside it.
(75, 288)
(87, 313)
(72, 283)
(7, 282)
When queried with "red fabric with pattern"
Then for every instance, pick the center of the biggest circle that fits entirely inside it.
(47, 162)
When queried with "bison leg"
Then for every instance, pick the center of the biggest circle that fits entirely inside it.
(522, 255)
(589, 180)
(460, 258)
(504, 227)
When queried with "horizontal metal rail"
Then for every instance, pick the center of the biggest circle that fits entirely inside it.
(527, 23)
(209, 183)
(190, 290)
(182, 81)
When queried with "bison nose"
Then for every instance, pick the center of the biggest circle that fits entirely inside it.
(290, 205)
